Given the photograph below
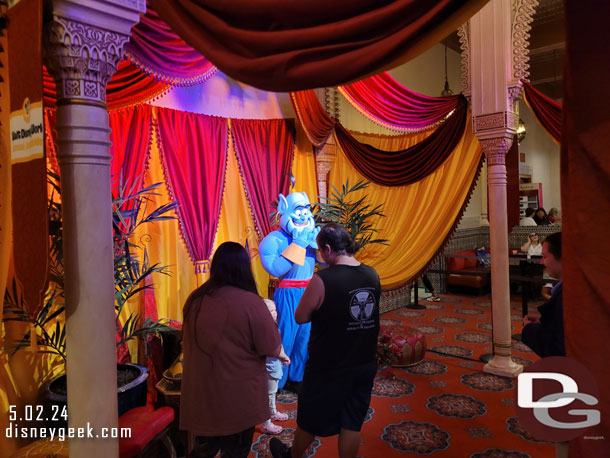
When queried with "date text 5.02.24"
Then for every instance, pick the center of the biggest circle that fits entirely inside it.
(38, 413)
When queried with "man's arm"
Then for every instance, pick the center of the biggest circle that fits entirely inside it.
(310, 301)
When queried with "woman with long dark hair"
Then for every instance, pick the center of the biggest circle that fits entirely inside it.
(540, 217)
(227, 335)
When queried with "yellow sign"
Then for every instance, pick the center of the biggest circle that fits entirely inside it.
(27, 135)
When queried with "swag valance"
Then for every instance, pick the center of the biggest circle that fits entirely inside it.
(156, 49)
(388, 103)
(387, 168)
(399, 168)
(288, 46)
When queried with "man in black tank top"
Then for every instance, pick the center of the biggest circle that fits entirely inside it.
(342, 303)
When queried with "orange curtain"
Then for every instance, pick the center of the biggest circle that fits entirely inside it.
(420, 217)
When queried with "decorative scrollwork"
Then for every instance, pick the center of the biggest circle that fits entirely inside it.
(464, 36)
(523, 15)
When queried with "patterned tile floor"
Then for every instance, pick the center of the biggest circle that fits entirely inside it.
(445, 406)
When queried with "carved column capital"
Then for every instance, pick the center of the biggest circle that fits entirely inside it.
(84, 42)
(82, 58)
(324, 162)
(495, 149)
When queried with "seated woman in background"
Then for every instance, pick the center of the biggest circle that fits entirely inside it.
(553, 216)
(540, 217)
(532, 246)
(228, 333)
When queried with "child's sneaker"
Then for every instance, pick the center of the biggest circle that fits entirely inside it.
(270, 428)
(279, 416)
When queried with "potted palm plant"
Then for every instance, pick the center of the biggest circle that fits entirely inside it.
(131, 268)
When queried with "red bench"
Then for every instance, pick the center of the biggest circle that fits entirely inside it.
(147, 427)
(474, 276)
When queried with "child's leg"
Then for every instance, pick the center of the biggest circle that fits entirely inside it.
(272, 391)
(268, 426)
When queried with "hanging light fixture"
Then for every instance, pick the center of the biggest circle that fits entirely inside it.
(446, 91)
(521, 131)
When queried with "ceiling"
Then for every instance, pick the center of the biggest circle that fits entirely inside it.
(547, 48)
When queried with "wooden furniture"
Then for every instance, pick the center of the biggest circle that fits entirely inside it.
(169, 395)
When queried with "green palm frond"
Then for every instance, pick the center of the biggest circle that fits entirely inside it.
(356, 215)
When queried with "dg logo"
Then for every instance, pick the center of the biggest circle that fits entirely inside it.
(556, 399)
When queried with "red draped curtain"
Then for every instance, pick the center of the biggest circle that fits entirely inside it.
(288, 46)
(585, 187)
(157, 50)
(546, 110)
(130, 136)
(265, 149)
(385, 101)
(193, 150)
(316, 123)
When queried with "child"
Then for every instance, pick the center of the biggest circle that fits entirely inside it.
(274, 371)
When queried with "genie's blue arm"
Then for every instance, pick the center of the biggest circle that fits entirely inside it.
(270, 251)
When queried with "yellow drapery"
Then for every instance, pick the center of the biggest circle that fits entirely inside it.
(420, 216)
(166, 247)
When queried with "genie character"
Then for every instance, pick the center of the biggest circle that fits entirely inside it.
(289, 254)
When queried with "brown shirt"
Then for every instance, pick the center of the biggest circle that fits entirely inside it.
(224, 380)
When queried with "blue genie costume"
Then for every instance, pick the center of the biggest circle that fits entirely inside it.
(289, 254)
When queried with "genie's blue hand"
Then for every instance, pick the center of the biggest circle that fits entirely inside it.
(305, 238)
(315, 233)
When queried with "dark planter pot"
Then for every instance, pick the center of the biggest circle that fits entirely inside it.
(130, 395)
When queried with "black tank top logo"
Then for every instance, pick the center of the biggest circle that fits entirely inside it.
(361, 307)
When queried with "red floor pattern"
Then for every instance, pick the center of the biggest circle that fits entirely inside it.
(445, 406)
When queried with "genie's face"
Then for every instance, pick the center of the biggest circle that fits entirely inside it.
(296, 213)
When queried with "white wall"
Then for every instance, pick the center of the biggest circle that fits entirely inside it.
(542, 155)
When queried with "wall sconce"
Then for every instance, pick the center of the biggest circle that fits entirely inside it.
(521, 131)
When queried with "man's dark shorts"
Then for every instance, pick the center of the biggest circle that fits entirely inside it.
(332, 400)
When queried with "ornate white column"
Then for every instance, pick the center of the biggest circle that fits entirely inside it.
(83, 44)
(494, 61)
